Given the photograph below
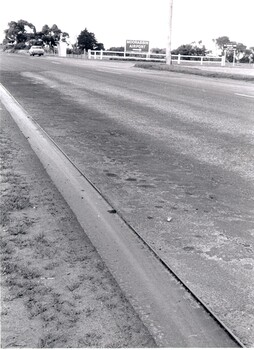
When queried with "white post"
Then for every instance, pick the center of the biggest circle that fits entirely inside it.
(234, 58)
(201, 62)
(168, 50)
(89, 54)
(101, 54)
(223, 59)
(179, 59)
(62, 48)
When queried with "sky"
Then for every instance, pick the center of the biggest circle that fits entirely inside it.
(115, 21)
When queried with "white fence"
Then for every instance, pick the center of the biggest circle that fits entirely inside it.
(152, 57)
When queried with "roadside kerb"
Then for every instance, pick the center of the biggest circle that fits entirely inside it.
(169, 312)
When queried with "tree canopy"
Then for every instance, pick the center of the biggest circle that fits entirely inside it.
(239, 49)
(190, 50)
(17, 32)
(222, 41)
(242, 53)
(116, 48)
(87, 41)
(24, 32)
(158, 50)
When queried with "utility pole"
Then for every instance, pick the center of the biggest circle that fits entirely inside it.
(168, 49)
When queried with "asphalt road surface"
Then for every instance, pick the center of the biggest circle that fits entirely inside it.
(172, 153)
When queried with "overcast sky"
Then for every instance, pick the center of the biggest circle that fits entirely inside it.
(115, 21)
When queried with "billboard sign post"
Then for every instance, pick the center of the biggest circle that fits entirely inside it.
(230, 47)
(137, 46)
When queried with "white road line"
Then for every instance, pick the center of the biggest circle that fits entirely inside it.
(243, 95)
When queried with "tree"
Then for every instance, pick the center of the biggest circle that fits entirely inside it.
(222, 41)
(99, 46)
(116, 48)
(241, 47)
(55, 32)
(18, 34)
(45, 29)
(244, 57)
(190, 50)
(17, 31)
(87, 41)
(239, 50)
(51, 36)
(158, 50)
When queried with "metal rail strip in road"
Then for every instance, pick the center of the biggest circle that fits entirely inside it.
(169, 309)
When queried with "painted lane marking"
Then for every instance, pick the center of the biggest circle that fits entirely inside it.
(243, 95)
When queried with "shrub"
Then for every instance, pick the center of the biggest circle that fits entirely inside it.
(20, 46)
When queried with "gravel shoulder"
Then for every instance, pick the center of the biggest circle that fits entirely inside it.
(55, 289)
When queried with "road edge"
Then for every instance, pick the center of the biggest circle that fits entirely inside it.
(106, 230)
(194, 71)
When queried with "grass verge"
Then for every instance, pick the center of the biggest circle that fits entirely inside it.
(193, 71)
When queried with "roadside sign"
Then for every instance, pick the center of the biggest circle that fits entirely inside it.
(230, 46)
(137, 46)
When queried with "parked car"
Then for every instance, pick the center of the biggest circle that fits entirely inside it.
(36, 50)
